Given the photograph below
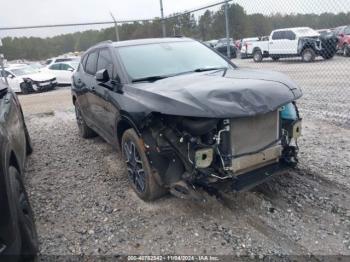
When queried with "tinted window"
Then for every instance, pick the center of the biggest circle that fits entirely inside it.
(289, 35)
(91, 63)
(55, 67)
(105, 61)
(278, 35)
(83, 62)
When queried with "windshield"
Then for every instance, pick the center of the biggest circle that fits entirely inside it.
(23, 71)
(74, 64)
(166, 59)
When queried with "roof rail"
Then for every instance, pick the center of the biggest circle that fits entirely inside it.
(103, 42)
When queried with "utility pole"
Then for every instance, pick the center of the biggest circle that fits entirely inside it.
(162, 17)
(227, 31)
(116, 27)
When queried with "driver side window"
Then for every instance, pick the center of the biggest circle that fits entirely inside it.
(105, 62)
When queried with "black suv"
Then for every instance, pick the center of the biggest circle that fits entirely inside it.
(17, 229)
(184, 116)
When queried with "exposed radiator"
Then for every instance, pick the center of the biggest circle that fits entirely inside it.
(254, 141)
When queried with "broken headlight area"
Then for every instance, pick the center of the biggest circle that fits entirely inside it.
(205, 151)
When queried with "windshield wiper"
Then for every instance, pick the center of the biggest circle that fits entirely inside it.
(209, 69)
(149, 79)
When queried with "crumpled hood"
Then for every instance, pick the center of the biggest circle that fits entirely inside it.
(42, 76)
(240, 93)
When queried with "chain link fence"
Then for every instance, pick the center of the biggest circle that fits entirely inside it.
(325, 82)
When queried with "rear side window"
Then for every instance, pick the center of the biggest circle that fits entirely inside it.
(65, 67)
(278, 35)
(91, 63)
(55, 67)
(289, 35)
(105, 61)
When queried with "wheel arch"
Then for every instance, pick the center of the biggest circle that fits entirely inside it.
(123, 124)
(255, 49)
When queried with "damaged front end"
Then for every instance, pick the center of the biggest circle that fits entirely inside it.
(237, 153)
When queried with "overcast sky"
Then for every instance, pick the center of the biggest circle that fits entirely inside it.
(37, 12)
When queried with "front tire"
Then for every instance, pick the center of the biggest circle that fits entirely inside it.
(25, 216)
(141, 176)
(84, 130)
(257, 56)
(308, 55)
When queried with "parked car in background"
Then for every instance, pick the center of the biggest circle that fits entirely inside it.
(63, 71)
(211, 43)
(185, 117)
(61, 59)
(222, 49)
(25, 79)
(245, 42)
(18, 235)
(324, 31)
(343, 33)
(293, 42)
(223, 41)
(37, 66)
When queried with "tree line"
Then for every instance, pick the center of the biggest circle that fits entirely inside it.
(210, 25)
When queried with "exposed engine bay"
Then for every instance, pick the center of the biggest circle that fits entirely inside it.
(204, 151)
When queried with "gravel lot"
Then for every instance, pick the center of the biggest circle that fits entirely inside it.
(83, 204)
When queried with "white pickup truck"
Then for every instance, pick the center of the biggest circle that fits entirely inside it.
(293, 42)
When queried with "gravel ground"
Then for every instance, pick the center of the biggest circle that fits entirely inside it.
(83, 204)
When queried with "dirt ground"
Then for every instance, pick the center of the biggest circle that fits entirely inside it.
(83, 204)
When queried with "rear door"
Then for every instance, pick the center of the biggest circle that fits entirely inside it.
(56, 70)
(104, 110)
(84, 81)
(291, 43)
(66, 72)
(277, 43)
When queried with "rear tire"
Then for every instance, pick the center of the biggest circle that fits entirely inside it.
(141, 176)
(84, 130)
(25, 216)
(257, 56)
(308, 55)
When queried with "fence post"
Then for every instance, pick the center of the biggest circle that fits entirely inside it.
(227, 30)
(162, 17)
(116, 27)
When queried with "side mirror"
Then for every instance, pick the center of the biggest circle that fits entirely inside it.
(11, 76)
(341, 35)
(70, 69)
(102, 76)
